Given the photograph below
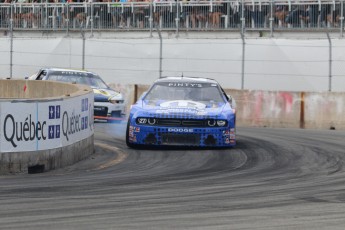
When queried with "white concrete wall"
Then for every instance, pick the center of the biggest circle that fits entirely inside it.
(48, 124)
(291, 64)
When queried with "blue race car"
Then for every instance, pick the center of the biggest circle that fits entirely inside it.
(183, 111)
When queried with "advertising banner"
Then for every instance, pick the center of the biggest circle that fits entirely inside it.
(40, 125)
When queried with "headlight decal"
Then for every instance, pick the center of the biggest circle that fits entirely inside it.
(221, 123)
(211, 123)
(141, 120)
(151, 121)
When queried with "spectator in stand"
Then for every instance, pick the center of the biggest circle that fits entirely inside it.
(295, 16)
(156, 13)
(331, 17)
(313, 15)
(25, 16)
(237, 16)
(279, 15)
(258, 16)
(184, 13)
(336, 18)
(167, 14)
(77, 14)
(116, 13)
(105, 14)
(139, 13)
(234, 13)
(325, 10)
(198, 14)
(217, 12)
(4, 15)
(126, 12)
(248, 11)
(146, 10)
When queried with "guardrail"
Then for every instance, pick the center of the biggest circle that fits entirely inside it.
(175, 15)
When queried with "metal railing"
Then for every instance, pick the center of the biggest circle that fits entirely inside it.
(210, 15)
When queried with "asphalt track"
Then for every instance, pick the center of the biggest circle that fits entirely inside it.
(273, 179)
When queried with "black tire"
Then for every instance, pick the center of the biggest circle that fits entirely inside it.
(131, 145)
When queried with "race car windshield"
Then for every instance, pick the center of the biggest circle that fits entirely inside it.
(204, 93)
(93, 81)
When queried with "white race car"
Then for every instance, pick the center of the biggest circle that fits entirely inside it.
(108, 105)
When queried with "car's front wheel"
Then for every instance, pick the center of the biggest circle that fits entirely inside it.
(129, 144)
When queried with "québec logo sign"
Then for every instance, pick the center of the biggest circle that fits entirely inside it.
(36, 127)
(27, 130)
(54, 130)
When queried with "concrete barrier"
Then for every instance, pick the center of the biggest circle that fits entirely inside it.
(267, 109)
(310, 110)
(324, 110)
(27, 89)
(44, 125)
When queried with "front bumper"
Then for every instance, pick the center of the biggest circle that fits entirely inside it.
(107, 109)
(179, 136)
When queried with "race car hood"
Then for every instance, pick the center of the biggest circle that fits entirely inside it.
(104, 95)
(186, 107)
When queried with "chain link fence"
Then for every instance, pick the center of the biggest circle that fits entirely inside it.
(247, 63)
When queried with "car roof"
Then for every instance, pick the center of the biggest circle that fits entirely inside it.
(64, 69)
(187, 79)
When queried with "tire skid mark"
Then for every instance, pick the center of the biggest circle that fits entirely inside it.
(120, 156)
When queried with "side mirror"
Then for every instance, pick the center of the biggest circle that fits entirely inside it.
(232, 101)
(143, 95)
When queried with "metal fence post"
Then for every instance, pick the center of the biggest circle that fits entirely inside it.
(92, 18)
(45, 9)
(11, 40)
(243, 59)
(68, 18)
(330, 64)
(151, 17)
(83, 50)
(243, 19)
(341, 18)
(227, 22)
(271, 19)
(177, 19)
(11, 53)
(160, 51)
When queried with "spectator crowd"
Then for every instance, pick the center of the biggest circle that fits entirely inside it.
(185, 14)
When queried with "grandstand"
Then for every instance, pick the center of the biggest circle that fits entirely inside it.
(233, 15)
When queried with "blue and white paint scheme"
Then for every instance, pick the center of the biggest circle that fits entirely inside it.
(183, 111)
